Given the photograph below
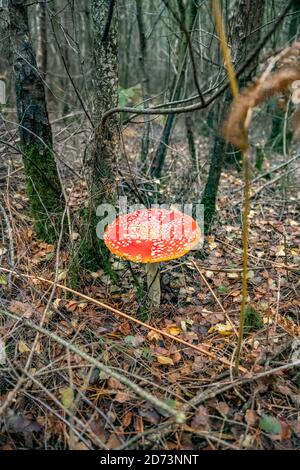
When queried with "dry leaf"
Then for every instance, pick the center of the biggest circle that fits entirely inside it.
(174, 330)
(200, 420)
(176, 356)
(251, 417)
(115, 384)
(62, 276)
(164, 360)
(23, 309)
(286, 431)
(56, 303)
(82, 305)
(223, 408)
(280, 251)
(150, 415)
(127, 418)
(122, 397)
(223, 329)
(97, 426)
(232, 275)
(74, 236)
(113, 442)
(80, 446)
(154, 336)
(18, 423)
(22, 347)
(209, 274)
(71, 306)
(67, 396)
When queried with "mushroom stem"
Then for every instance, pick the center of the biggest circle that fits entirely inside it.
(153, 284)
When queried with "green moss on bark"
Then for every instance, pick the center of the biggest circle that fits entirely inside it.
(92, 251)
(42, 181)
(44, 192)
(73, 278)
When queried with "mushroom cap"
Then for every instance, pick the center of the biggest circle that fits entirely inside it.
(152, 235)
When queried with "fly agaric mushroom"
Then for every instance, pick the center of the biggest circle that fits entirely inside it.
(150, 236)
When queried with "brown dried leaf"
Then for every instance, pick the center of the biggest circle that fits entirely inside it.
(174, 330)
(97, 426)
(127, 419)
(164, 360)
(223, 408)
(21, 308)
(123, 397)
(80, 446)
(125, 328)
(154, 336)
(176, 357)
(115, 384)
(237, 123)
(150, 415)
(113, 442)
(18, 423)
(72, 306)
(251, 417)
(200, 420)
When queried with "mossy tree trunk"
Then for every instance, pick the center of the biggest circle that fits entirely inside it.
(102, 164)
(247, 17)
(42, 182)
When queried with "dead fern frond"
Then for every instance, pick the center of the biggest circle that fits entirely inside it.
(271, 83)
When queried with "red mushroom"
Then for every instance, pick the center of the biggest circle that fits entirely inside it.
(151, 236)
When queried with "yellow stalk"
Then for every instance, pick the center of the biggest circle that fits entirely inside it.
(217, 13)
(246, 207)
(216, 10)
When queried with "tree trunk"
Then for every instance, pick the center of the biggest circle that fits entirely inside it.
(191, 143)
(102, 165)
(42, 51)
(105, 84)
(276, 140)
(177, 86)
(247, 17)
(43, 184)
(4, 57)
(144, 77)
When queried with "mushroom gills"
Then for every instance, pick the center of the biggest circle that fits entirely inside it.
(153, 284)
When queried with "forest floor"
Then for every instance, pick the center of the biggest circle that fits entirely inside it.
(54, 398)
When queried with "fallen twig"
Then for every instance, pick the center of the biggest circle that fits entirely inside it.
(200, 349)
(221, 388)
(178, 415)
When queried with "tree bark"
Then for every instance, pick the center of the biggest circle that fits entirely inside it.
(42, 51)
(102, 164)
(42, 181)
(105, 85)
(4, 56)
